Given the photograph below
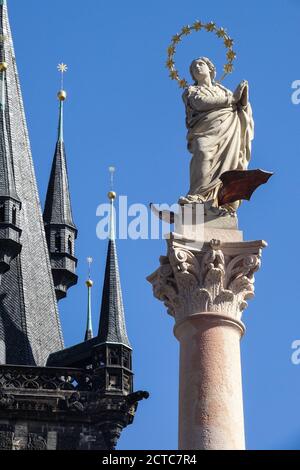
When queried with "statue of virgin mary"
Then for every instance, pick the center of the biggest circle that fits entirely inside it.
(220, 132)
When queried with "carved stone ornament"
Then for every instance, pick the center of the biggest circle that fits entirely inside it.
(36, 442)
(219, 278)
(6, 400)
(6, 440)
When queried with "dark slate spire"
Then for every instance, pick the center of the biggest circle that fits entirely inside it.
(60, 229)
(29, 324)
(10, 204)
(7, 181)
(58, 209)
(112, 327)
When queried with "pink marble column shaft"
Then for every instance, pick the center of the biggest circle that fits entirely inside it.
(210, 400)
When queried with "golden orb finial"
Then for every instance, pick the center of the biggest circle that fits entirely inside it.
(112, 195)
(89, 283)
(3, 66)
(62, 95)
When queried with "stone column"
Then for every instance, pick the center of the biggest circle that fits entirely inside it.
(206, 289)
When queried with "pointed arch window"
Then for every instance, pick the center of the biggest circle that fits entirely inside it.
(14, 215)
(57, 242)
(2, 212)
(70, 245)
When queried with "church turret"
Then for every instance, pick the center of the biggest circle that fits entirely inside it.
(106, 358)
(113, 347)
(10, 204)
(61, 231)
(108, 354)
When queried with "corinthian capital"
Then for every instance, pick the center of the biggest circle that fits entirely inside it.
(216, 278)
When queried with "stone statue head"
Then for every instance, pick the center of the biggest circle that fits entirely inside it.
(208, 67)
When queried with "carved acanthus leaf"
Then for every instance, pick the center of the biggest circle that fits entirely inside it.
(211, 280)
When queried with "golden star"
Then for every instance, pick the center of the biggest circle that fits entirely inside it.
(186, 30)
(171, 50)
(228, 68)
(170, 63)
(174, 75)
(210, 26)
(231, 55)
(62, 68)
(197, 25)
(221, 33)
(176, 39)
(183, 83)
(228, 42)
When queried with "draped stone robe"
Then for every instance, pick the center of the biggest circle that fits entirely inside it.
(219, 138)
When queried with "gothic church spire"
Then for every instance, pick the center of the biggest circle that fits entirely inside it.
(61, 231)
(112, 327)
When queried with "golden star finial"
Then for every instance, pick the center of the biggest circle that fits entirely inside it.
(62, 68)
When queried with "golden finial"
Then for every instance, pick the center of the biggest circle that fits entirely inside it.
(62, 94)
(112, 194)
(89, 282)
(3, 66)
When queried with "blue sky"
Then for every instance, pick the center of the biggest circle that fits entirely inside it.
(124, 110)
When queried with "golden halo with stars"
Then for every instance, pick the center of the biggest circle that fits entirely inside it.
(187, 30)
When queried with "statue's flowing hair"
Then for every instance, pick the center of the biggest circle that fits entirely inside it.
(212, 68)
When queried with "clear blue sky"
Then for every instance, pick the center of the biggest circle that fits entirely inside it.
(123, 110)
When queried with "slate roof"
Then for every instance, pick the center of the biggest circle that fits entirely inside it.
(112, 328)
